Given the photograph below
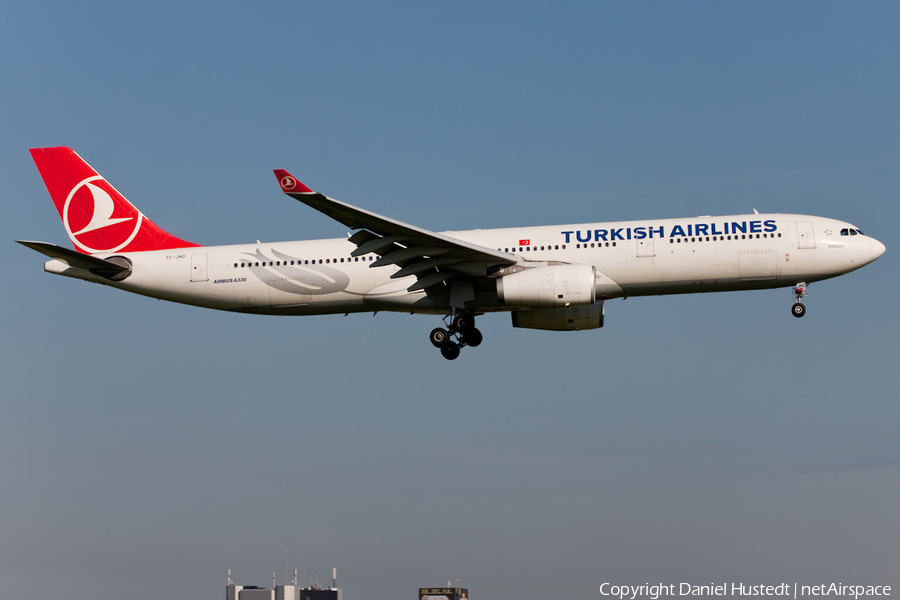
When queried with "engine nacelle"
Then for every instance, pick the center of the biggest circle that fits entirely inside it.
(553, 286)
(567, 318)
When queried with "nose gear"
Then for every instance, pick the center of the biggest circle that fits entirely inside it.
(799, 291)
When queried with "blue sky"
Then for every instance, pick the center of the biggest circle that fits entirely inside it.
(147, 445)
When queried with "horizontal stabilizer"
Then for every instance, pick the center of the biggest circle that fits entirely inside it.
(75, 259)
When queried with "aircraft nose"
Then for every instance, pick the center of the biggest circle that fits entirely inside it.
(877, 248)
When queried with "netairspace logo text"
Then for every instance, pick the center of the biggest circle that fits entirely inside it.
(786, 590)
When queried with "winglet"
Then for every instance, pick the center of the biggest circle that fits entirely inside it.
(290, 184)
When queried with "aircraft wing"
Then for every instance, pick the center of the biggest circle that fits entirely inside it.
(432, 257)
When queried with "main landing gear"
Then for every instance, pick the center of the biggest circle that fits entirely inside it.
(798, 309)
(462, 327)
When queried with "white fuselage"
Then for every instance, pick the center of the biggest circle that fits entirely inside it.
(632, 258)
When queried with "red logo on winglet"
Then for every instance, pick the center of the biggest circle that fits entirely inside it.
(290, 184)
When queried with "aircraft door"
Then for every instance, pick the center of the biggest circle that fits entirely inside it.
(198, 267)
(805, 236)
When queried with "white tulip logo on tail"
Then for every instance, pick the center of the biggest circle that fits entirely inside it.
(99, 230)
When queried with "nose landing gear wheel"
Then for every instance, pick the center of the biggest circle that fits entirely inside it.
(450, 351)
(799, 291)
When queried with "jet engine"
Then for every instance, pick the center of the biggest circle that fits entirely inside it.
(552, 286)
(567, 318)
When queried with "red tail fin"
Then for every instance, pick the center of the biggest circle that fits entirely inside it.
(96, 216)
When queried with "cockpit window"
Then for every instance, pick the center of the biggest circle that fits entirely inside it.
(853, 232)
(859, 231)
(845, 232)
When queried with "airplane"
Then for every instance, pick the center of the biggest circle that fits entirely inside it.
(548, 277)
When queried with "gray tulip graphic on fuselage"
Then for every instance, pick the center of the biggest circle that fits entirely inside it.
(297, 279)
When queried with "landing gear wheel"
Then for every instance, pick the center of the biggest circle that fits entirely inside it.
(463, 322)
(440, 337)
(472, 337)
(799, 291)
(450, 351)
